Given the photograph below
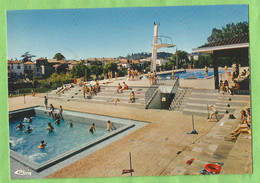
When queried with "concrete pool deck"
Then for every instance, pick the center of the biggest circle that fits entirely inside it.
(154, 147)
(160, 148)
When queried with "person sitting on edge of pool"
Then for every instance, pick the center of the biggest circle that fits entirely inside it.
(42, 144)
(92, 128)
(70, 125)
(20, 126)
(50, 127)
(51, 110)
(29, 129)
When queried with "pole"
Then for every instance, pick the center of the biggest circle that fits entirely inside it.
(192, 123)
(208, 110)
(130, 163)
(24, 98)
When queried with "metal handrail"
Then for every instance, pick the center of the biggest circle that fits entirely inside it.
(152, 97)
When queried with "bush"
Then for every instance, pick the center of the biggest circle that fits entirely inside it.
(25, 90)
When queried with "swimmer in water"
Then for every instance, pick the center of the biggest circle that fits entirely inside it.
(42, 144)
(29, 129)
(92, 128)
(20, 126)
(71, 125)
(57, 119)
(28, 120)
(50, 127)
(109, 124)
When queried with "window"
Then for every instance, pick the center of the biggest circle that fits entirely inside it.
(25, 67)
(8, 67)
(29, 67)
(18, 67)
(12, 67)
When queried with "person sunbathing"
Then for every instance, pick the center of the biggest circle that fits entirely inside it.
(119, 87)
(92, 91)
(226, 88)
(132, 97)
(221, 87)
(85, 90)
(245, 124)
(234, 87)
(125, 87)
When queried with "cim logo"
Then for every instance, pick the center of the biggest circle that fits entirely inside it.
(22, 172)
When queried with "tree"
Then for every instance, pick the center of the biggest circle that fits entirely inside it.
(96, 69)
(27, 57)
(80, 70)
(110, 66)
(231, 30)
(59, 56)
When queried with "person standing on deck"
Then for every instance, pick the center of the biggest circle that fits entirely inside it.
(207, 71)
(45, 102)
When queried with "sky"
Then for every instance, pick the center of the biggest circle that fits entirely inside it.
(112, 32)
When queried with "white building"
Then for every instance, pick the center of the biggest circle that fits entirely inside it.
(30, 67)
(15, 67)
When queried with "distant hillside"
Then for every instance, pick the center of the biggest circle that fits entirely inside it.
(145, 55)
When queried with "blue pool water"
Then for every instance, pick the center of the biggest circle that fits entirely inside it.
(63, 139)
(186, 75)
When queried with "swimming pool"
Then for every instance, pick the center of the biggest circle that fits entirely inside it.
(64, 142)
(185, 75)
(61, 140)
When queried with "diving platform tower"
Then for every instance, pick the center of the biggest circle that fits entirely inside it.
(159, 42)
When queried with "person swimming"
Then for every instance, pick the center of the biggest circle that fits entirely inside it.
(92, 128)
(70, 125)
(27, 120)
(50, 127)
(29, 129)
(57, 119)
(109, 124)
(42, 144)
(20, 126)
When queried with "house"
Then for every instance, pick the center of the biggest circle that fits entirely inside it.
(137, 62)
(125, 63)
(45, 68)
(15, 68)
(58, 65)
(71, 64)
(31, 68)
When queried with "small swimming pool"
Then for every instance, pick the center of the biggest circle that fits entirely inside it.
(185, 75)
(61, 140)
(64, 142)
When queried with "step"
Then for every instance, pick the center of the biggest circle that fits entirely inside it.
(200, 112)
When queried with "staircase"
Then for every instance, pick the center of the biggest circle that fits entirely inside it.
(176, 104)
(198, 101)
(107, 95)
